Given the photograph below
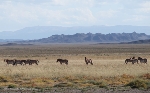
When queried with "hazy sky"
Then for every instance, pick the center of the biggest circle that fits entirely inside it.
(17, 14)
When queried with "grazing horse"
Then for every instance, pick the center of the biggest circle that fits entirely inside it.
(62, 61)
(26, 62)
(88, 61)
(131, 60)
(32, 62)
(142, 60)
(9, 61)
(18, 62)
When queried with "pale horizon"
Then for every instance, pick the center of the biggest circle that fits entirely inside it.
(19, 14)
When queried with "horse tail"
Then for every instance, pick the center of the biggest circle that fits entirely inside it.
(85, 59)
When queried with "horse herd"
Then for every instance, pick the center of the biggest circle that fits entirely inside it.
(30, 62)
(21, 62)
(65, 61)
(89, 61)
(134, 60)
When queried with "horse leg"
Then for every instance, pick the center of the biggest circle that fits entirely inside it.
(87, 63)
(126, 61)
(91, 62)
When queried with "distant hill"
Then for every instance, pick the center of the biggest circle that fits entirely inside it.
(91, 38)
(138, 42)
(38, 32)
(14, 44)
(9, 40)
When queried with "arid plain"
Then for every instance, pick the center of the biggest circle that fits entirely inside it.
(108, 69)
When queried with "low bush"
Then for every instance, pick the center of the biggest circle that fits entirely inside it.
(99, 84)
(138, 84)
(64, 85)
(12, 86)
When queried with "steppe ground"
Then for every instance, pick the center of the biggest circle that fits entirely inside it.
(109, 67)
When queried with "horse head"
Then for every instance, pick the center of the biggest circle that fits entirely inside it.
(133, 57)
(5, 60)
(139, 58)
(58, 60)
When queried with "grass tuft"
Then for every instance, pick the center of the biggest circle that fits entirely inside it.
(2, 79)
(146, 76)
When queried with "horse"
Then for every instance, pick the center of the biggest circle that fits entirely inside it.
(62, 61)
(30, 62)
(9, 61)
(131, 60)
(17, 62)
(142, 60)
(26, 62)
(88, 61)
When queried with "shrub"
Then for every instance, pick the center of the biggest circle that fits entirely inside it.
(138, 84)
(63, 85)
(99, 84)
(12, 86)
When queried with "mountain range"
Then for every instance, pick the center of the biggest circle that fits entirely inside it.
(58, 34)
(38, 32)
(92, 38)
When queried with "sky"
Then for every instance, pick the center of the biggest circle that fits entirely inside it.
(18, 14)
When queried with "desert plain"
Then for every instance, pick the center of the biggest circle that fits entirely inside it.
(108, 71)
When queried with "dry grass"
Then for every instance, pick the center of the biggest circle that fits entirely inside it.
(109, 66)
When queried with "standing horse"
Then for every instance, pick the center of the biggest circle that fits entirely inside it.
(142, 60)
(9, 61)
(26, 62)
(17, 62)
(30, 62)
(131, 60)
(88, 61)
(62, 61)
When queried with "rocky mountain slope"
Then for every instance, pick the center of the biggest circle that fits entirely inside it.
(89, 37)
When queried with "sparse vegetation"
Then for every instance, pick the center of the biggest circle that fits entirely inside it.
(138, 84)
(107, 71)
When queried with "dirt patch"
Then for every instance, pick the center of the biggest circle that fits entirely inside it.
(72, 90)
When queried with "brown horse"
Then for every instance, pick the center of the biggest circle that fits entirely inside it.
(131, 60)
(62, 61)
(25, 62)
(9, 61)
(142, 60)
(88, 61)
(17, 62)
(30, 62)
